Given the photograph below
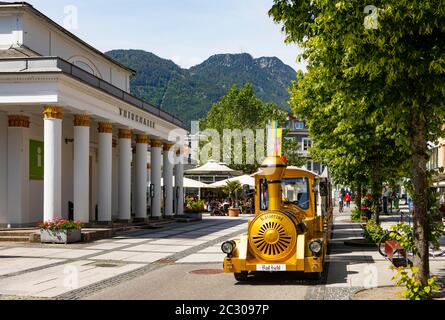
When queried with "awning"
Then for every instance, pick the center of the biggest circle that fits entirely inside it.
(212, 167)
(246, 179)
(440, 184)
(190, 183)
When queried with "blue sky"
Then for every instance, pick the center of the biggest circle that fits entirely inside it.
(185, 31)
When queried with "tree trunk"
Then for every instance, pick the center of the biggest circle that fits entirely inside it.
(358, 191)
(376, 188)
(419, 159)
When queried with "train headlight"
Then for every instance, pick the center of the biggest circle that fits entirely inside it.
(316, 246)
(228, 247)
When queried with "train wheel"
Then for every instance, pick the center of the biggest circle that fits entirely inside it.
(242, 276)
(314, 276)
(381, 244)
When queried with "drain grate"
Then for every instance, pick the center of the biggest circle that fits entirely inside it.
(106, 265)
(207, 271)
(167, 261)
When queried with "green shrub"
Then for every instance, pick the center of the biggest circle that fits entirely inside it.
(414, 288)
(373, 232)
(436, 229)
(355, 215)
(403, 233)
(194, 205)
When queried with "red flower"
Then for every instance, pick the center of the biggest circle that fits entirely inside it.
(285, 160)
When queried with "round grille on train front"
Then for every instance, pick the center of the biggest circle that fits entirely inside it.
(272, 236)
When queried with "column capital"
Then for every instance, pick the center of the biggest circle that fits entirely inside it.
(124, 134)
(142, 138)
(105, 127)
(156, 143)
(168, 146)
(81, 120)
(18, 121)
(52, 112)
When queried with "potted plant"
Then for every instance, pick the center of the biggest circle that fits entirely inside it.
(194, 207)
(366, 208)
(232, 188)
(59, 230)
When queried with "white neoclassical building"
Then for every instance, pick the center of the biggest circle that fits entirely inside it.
(74, 142)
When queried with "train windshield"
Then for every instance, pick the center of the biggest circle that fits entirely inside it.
(296, 190)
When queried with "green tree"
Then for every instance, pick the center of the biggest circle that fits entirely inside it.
(402, 63)
(241, 109)
(233, 188)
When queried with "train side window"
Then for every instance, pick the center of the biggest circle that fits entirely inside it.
(316, 192)
(264, 195)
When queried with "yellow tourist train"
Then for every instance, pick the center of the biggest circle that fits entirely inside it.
(292, 224)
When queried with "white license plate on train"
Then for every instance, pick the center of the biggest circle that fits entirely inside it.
(271, 267)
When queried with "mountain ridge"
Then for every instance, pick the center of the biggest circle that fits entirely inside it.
(189, 93)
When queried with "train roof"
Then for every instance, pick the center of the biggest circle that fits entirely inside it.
(291, 168)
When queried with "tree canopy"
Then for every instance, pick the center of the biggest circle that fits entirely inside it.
(240, 109)
(393, 72)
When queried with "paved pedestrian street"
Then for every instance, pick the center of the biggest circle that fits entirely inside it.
(184, 261)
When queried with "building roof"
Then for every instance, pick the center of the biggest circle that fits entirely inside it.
(17, 52)
(46, 65)
(28, 6)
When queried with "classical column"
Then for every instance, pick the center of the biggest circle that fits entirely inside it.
(115, 182)
(133, 179)
(125, 156)
(52, 181)
(18, 169)
(179, 182)
(141, 176)
(104, 188)
(81, 168)
(169, 159)
(156, 148)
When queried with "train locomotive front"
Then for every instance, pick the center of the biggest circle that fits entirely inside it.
(291, 228)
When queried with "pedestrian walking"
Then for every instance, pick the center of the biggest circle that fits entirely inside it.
(348, 200)
(340, 202)
(397, 203)
(385, 195)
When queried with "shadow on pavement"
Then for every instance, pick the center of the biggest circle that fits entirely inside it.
(198, 229)
(281, 278)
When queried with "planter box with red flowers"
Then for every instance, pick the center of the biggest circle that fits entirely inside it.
(60, 231)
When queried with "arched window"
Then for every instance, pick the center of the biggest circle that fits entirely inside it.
(84, 66)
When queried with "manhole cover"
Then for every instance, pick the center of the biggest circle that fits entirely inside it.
(105, 264)
(207, 271)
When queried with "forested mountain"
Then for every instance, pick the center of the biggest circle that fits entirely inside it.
(189, 93)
